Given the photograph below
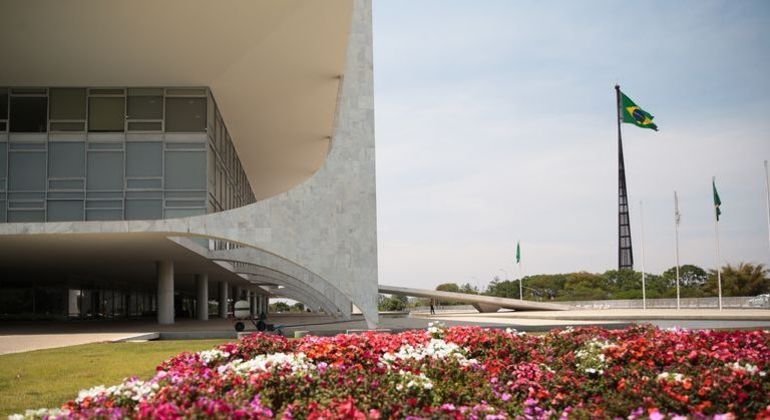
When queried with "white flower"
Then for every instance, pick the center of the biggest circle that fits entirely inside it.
(299, 363)
(748, 368)
(40, 413)
(414, 381)
(133, 389)
(210, 356)
(590, 358)
(675, 377)
(435, 349)
(513, 331)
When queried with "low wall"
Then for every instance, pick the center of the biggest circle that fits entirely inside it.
(742, 302)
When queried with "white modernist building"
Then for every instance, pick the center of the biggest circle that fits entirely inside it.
(159, 157)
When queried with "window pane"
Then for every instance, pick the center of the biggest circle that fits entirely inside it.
(28, 114)
(185, 114)
(19, 216)
(106, 114)
(3, 157)
(144, 210)
(145, 107)
(172, 213)
(3, 104)
(144, 184)
(145, 126)
(2, 211)
(104, 214)
(67, 160)
(68, 104)
(186, 170)
(105, 171)
(63, 211)
(75, 184)
(144, 159)
(26, 171)
(68, 126)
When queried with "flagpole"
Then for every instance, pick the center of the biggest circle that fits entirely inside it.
(521, 273)
(644, 287)
(676, 241)
(767, 191)
(625, 247)
(716, 232)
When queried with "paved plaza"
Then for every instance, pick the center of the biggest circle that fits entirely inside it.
(35, 335)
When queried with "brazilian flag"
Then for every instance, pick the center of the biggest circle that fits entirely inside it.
(633, 114)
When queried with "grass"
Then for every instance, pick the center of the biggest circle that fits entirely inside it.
(48, 378)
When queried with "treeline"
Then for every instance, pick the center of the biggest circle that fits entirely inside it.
(745, 279)
(742, 280)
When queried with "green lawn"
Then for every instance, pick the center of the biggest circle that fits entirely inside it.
(48, 378)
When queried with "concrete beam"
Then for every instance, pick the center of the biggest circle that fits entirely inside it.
(487, 302)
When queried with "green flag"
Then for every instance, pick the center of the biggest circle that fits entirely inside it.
(633, 114)
(717, 201)
(518, 253)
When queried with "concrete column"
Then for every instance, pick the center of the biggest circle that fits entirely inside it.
(238, 293)
(73, 309)
(202, 309)
(165, 292)
(223, 289)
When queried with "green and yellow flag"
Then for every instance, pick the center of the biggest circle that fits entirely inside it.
(717, 200)
(518, 252)
(633, 114)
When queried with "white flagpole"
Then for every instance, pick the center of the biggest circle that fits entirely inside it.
(644, 291)
(716, 232)
(767, 190)
(521, 273)
(677, 218)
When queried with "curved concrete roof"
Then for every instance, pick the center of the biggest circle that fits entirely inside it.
(273, 66)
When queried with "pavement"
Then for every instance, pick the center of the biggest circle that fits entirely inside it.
(664, 318)
(35, 335)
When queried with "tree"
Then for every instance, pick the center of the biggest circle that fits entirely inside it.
(586, 286)
(744, 280)
(503, 288)
(392, 304)
(298, 307)
(689, 276)
(467, 288)
(448, 287)
(280, 307)
(544, 286)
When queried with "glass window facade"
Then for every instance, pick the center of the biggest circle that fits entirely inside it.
(28, 114)
(69, 154)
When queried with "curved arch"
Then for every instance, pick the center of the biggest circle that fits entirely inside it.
(318, 300)
(294, 273)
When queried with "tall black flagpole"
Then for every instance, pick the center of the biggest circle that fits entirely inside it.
(625, 252)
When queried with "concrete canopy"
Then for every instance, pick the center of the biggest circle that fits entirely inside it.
(273, 66)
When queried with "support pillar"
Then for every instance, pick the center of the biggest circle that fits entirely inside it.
(223, 289)
(165, 292)
(202, 309)
(73, 309)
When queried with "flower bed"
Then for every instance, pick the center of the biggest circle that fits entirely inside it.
(460, 372)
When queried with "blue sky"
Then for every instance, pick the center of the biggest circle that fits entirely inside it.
(495, 122)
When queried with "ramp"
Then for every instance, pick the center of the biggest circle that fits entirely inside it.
(480, 302)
